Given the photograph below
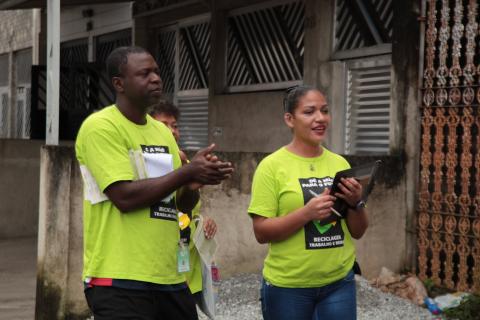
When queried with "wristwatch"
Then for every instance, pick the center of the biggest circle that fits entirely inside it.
(360, 205)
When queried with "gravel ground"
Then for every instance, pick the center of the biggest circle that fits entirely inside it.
(238, 299)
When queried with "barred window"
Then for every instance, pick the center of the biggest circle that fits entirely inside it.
(183, 54)
(363, 23)
(23, 61)
(265, 47)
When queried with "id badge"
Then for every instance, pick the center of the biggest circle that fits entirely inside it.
(183, 257)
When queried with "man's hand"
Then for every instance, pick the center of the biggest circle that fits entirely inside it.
(208, 169)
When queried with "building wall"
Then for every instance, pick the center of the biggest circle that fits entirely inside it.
(17, 29)
(19, 188)
(249, 122)
(104, 18)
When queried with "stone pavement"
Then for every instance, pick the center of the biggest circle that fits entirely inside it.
(18, 258)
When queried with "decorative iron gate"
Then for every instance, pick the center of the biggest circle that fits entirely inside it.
(449, 203)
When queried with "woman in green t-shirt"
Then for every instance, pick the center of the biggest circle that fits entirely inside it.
(308, 270)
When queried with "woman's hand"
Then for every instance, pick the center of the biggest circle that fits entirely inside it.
(320, 207)
(209, 227)
(352, 191)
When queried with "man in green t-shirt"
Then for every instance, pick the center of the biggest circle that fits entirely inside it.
(134, 184)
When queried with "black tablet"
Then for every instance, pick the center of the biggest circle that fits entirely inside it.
(365, 174)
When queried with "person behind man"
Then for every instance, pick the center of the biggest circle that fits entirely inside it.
(133, 184)
(169, 114)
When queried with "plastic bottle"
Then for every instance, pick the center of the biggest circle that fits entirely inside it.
(215, 273)
(215, 279)
(432, 305)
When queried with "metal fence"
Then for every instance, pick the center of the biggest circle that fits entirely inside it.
(449, 204)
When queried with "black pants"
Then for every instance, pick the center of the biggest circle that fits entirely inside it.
(108, 303)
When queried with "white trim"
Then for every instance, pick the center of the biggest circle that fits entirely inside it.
(192, 93)
(99, 31)
(206, 17)
(385, 48)
(260, 6)
(263, 86)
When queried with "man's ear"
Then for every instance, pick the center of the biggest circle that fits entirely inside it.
(288, 118)
(117, 84)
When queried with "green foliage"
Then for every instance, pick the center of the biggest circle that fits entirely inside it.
(469, 309)
(433, 290)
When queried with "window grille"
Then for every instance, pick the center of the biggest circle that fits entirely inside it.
(363, 23)
(74, 52)
(368, 106)
(185, 77)
(194, 56)
(4, 70)
(166, 59)
(265, 47)
(4, 103)
(23, 62)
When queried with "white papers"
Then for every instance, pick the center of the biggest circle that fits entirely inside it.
(151, 165)
(91, 190)
(158, 164)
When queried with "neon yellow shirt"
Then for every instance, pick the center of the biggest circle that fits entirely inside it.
(139, 245)
(315, 255)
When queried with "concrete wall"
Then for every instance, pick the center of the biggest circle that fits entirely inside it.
(249, 122)
(17, 29)
(19, 176)
(106, 18)
(60, 240)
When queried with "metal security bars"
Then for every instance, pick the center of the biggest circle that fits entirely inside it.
(4, 68)
(367, 125)
(194, 56)
(183, 54)
(23, 66)
(265, 48)
(166, 59)
(74, 52)
(449, 198)
(363, 23)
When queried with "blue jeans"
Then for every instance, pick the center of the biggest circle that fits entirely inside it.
(331, 302)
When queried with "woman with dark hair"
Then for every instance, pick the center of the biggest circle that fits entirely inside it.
(308, 270)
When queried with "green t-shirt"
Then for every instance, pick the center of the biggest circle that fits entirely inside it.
(315, 255)
(139, 245)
